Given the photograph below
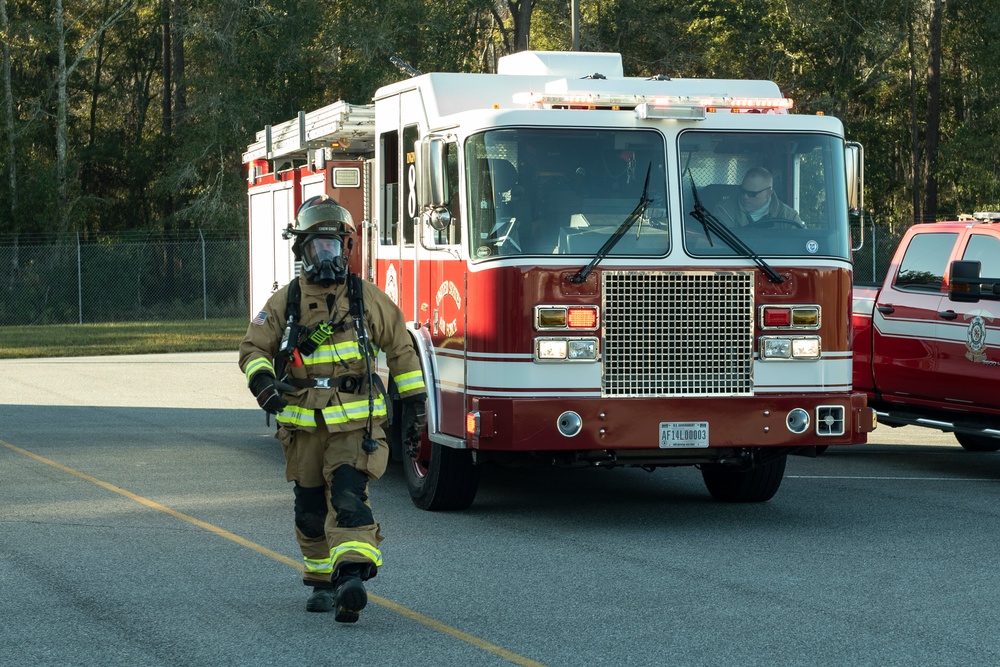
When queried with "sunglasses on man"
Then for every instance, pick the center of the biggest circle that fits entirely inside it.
(753, 193)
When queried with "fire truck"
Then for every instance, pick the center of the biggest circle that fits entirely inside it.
(583, 280)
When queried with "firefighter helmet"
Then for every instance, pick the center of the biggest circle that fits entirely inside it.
(322, 232)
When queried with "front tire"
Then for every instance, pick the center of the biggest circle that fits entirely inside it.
(977, 443)
(441, 478)
(755, 485)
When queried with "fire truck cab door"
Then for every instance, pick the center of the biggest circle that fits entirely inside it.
(442, 302)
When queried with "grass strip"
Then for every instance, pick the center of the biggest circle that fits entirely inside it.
(86, 340)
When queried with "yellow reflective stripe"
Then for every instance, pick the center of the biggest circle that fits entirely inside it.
(327, 353)
(297, 415)
(259, 364)
(353, 411)
(321, 565)
(409, 381)
(366, 550)
(332, 414)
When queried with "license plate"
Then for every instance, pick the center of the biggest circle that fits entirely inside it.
(683, 435)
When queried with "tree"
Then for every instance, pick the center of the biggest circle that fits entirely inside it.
(8, 107)
(933, 118)
(63, 72)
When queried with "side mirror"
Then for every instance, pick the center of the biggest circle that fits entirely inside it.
(854, 163)
(431, 171)
(963, 281)
(854, 167)
(965, 285)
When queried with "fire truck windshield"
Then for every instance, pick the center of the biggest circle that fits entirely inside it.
(780, 194)
(565, 191)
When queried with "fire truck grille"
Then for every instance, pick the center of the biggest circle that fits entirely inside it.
(678, 333)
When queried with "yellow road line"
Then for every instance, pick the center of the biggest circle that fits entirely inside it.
(416, 616)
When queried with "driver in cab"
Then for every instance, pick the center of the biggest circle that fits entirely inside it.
(755, 202)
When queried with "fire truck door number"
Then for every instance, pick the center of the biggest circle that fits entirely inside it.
(683, 435)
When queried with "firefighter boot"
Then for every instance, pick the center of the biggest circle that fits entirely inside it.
(351, 597)
(321, 600)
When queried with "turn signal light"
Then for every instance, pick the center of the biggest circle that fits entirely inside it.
(555, 318)
(790, 317)
(582, 318)
(777, 317)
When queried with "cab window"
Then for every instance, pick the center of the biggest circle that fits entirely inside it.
(984, 249)
(925, 262)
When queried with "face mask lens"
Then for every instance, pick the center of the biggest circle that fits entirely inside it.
(322, 249)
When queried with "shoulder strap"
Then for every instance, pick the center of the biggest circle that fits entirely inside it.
(356, 293)
(293, 312)
(293, 305)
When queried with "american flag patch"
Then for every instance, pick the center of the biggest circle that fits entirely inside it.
(261, 316)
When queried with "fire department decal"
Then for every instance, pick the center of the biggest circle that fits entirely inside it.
(447, 289)
(975, 337)
(391, 288)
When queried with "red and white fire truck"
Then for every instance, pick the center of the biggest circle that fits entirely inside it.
(583, 278)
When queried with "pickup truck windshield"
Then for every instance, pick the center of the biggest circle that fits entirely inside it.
(782, 194)
(565, 191)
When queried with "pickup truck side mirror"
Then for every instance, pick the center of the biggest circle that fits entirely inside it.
(965, 284)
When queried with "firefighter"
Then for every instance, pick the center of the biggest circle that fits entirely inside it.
(307, 357)
(754, 202)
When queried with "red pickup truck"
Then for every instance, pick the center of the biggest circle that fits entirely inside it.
(927, 342)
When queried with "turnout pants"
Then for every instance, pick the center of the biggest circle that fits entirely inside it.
(334, 524)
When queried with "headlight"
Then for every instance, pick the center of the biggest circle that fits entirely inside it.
(805, 348)
(790, 347)
(565, 349)
(582, 349)
(776, 348)
(551, 349)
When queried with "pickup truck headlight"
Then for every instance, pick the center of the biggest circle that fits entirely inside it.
(790, 347)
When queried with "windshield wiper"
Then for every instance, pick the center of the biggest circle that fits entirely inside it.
(636, 214)
(712, 224)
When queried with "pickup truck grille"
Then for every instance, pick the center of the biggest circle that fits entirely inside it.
(675, 333)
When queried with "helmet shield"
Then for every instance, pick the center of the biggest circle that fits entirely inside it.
(322, 215)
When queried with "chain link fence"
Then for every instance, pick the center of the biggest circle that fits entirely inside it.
(129, 278)
(141, 278)
(878, 244)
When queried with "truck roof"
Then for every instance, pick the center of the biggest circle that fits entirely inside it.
(529, 79)
(564, 74)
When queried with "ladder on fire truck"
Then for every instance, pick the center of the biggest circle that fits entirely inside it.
(337, 129)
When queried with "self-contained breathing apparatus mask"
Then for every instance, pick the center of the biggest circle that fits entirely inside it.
(324, 259)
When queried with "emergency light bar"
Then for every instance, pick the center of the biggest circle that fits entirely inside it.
(677, 111)
(654, 106)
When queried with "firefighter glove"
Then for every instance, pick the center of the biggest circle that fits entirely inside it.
(413, 421)
(267, 395)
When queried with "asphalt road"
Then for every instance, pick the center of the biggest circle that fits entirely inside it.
(144, 520)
